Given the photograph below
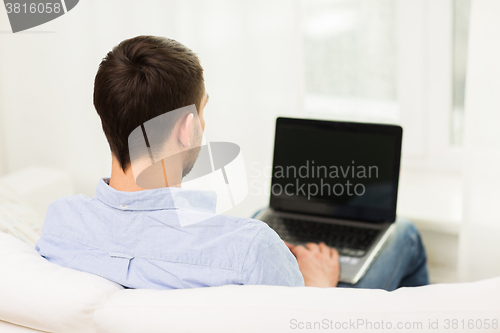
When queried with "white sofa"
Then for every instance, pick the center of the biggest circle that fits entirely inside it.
(38, 295)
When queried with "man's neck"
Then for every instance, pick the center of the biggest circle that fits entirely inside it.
(124, 181)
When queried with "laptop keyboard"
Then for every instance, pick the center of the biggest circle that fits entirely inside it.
(348, 240)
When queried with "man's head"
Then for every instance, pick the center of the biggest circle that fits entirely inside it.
(142, 78)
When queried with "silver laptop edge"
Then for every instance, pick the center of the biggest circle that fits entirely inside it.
(371, 256)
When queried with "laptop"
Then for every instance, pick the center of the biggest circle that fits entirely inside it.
(335, 182)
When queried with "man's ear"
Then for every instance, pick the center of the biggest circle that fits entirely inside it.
(185, 130)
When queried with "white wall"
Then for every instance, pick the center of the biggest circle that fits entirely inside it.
(480, 235)
(248, 50)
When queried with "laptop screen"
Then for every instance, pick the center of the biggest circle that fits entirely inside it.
(336, 169)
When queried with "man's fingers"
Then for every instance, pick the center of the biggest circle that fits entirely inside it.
(312, 246)
(297, 250)
(334, 254)
(290, 246)
(324, 249)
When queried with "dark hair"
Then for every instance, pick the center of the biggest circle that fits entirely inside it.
(141, 78)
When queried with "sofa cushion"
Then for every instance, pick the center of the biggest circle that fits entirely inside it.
(38, 294)
(17, 218)
(286, 309)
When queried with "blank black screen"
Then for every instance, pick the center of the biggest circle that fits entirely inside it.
(339, 169)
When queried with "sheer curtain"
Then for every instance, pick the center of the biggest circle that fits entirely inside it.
(480, 236)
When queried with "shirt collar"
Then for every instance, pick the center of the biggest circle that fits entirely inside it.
(156, 199)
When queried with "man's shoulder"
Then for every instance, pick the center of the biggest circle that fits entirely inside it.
(64, 208)
(253, 228)
(252, 235)
(241, 234)
(70, 200)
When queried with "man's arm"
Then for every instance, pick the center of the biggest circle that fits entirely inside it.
(269, 262)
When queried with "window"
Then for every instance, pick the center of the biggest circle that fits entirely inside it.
(350, 58)
(461, 15)
(390, 61)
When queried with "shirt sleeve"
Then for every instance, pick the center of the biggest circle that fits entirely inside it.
(270, 262)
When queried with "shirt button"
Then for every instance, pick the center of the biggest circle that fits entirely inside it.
(122, 206)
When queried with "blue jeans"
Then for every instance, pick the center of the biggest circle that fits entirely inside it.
(401, 263)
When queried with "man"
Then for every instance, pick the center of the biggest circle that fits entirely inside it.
(131, 235)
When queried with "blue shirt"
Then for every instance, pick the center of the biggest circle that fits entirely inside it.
(136, 240)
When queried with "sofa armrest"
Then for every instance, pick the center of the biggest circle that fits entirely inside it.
(39, 186)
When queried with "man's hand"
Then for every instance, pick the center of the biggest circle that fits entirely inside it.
(318, 264)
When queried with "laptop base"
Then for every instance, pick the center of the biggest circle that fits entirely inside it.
(353, 262)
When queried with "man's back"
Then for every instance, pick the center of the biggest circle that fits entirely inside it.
(135, 239)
